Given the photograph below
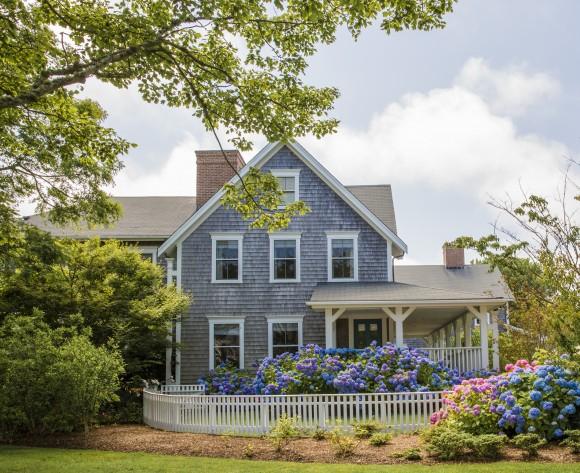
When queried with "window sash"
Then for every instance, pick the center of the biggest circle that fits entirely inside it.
(342, 258)
(285, 337)
(227, 260)
(227, 344)
(285, 259)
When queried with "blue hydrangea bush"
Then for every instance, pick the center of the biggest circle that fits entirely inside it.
(315, 370)
(540, 397)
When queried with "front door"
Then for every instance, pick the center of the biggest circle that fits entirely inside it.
(366, 331)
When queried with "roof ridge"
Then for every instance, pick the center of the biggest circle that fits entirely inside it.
(367, 185)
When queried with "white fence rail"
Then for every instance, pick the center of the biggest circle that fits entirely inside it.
(460, 358)
(182, 388)
(247, 414)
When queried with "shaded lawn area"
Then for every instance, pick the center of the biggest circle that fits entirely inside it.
(48, 460)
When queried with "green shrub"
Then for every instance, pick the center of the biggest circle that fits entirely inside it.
(487, 446)
(572, 440)
(529, 443)
(378, 439)
(364, 429)
(343, 445)
(52, 380)
(249, 451)
(319, 434)
(411, 454)
(283, 431)
(446, 443)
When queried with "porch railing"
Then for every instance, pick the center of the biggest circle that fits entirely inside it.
(182, 389)
(248, 414)
(460, 358)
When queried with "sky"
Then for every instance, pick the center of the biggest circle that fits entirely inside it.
(451, 119)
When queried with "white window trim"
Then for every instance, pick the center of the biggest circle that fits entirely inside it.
(295, 173)
(229, 236)
(149, 250)
(280, 319)
(218, 320)
(341, 235)
(285, 236)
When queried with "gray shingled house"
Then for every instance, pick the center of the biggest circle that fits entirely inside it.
(328, 279)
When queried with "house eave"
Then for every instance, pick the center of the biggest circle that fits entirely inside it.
(406, 303)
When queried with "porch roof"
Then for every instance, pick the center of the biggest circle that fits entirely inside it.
(485, 288)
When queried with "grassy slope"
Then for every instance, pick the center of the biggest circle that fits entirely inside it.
(36, 460)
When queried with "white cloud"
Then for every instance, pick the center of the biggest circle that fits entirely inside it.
(176, 177)
(509, 91)
(449, 138)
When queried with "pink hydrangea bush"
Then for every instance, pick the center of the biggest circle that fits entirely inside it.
(528, 397)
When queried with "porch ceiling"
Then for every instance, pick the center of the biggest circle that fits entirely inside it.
(425, 320)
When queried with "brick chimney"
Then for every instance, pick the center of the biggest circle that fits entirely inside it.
(453, 258)
(213, 171)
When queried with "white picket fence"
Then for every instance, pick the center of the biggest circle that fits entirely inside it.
(248, 414)
(459, 358)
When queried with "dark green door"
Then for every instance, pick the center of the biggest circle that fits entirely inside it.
(367, 331)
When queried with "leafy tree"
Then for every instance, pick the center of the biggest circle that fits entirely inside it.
(52, 379)
(541, 265)
(236, 64)
(104, 286)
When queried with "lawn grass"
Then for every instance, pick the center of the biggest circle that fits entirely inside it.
(48, 460)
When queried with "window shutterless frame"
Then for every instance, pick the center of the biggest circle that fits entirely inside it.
(229, 237)
(342, 235)
(286, 176)
(284, 236)
(283, 319)
(219, 320)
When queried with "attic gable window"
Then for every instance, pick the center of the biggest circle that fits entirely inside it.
(342, 250)
(226, 251)
(289, 182)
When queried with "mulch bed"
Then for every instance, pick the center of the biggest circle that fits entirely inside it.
(139, 438)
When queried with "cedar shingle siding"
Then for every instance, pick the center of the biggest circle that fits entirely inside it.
(256, 297)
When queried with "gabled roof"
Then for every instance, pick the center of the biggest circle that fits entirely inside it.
(379, 200)
(399, 246)
(143, 218)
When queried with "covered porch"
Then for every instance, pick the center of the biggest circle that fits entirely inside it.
(441, 324)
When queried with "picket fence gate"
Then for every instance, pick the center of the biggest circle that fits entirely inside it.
(249, 414)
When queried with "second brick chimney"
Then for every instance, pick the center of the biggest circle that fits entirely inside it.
(453, 258)
(213, 171)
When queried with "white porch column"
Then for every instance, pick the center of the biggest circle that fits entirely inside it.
(468, 326)
(399, 317)
(329, 326)
(458, 324)
(481, 315)
(495, 340)
(442, 337)
(448, 335)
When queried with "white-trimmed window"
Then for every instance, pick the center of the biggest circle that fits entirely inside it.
(226, 341)
(148, 253)
(289, 181)
(285, 257)
(342, 256)
(284, 334)
(226, 257)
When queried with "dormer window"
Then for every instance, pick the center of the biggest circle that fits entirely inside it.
(342, 256)
(288, 180)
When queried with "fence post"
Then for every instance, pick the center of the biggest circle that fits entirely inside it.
(265, 414)
(212, 415)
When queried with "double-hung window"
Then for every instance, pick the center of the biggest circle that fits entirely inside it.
(284, 334)
(285, 257)
(289, 182)
(226, 257)
(226, 342)
(342, 256)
